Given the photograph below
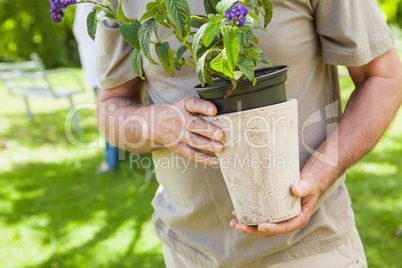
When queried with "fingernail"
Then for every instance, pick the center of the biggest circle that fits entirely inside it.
(262, 229)
(232, 223)
(217, 135)
(240, 227)
(299, 188)
(211, 110)
(218, 146)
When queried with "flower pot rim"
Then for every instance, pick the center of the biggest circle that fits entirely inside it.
(281, 68)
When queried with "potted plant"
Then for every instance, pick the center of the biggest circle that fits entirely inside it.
(222, 48)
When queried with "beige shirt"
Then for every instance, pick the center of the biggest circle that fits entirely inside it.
(192, 205)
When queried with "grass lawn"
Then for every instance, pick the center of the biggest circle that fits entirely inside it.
(375, 188)
(55, 212)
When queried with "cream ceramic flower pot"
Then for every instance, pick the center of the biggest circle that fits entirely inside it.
(260, 161)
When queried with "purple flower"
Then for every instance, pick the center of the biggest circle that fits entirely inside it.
(227, 15)
(237, 14)
(242, 9)
(234, 12)
(56, 6)
(240, 21)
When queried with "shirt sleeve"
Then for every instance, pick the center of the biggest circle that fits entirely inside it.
(113, 56)
(352, 32)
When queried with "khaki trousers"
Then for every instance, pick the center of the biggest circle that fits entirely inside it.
(349, 254)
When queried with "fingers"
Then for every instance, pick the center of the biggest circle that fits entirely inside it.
(195, 155)
(200, 106)
(196, 141)
(201, 127)
(250, 230)
(274, 229)
(195, 124)
(181, 130)
(303, 188)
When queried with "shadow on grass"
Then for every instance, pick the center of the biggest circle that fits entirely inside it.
(64, 194)
(77, 215)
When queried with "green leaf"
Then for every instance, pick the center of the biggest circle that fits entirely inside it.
(130, 33)
(212, 30)
(210, 6)
(247, 26)
(196, 40)
(198, 21)
(162, 19)
(209, 81)
(196, 24)
(254, 16)
(224, 5)
(255, 40)
(162, 51)
(247, 68)
(200, 68)
(221, 64)
(231, 44)
(136, 62)
(180, 15)
(215, 2)
(152, 8)
(178, 65)
(202, 49)
(237, 74)
(144, 35)
(254, 49)
(145, 16)
(267, 11)
(104, 15)
(248, 37)
(92, 23)
(253, 3)
(180, 53)
(120, 13)
(169, 66)
(215, 18)
(263, 29)
(264, 62)
(241, 42)
(155, 30)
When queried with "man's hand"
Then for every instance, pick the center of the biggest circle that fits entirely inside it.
(179, 128)
(129, 124)
(307, 188)
(370, 109)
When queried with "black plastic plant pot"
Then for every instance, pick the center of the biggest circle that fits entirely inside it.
(269, 89)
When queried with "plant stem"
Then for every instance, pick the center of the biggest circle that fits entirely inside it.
(218, 75)
(189, 64)
(174, 52)
(170, 22)
(99, 4)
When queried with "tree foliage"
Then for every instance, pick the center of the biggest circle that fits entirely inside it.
(26, 28)
(392, 9)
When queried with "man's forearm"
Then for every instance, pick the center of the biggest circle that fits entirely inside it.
(135, 127)
(367, 116)
(126, 123)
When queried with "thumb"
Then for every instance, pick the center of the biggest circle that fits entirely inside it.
(302, 188)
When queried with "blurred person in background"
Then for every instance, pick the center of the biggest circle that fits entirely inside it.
(87, 52)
